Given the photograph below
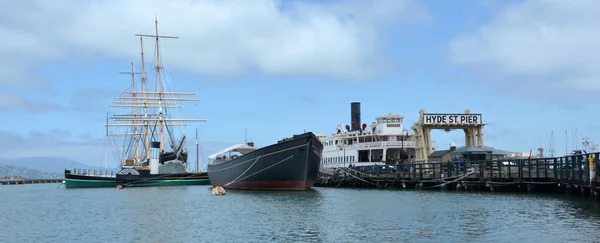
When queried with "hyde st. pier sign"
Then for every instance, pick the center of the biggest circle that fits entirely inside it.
(452, 119)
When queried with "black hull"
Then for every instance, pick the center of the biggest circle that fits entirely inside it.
(288, 165)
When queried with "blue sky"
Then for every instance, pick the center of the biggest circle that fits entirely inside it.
(277, 69)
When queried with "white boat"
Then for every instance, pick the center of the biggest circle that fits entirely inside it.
(385, 141)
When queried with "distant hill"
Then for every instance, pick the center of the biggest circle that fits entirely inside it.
(14, 171)
(48, 164)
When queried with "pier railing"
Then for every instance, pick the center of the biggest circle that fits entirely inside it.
(570, 168)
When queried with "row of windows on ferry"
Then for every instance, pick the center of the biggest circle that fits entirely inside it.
(338, 159)
(389, 120)
(364, 139)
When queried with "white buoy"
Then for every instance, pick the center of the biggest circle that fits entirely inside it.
(218, 191)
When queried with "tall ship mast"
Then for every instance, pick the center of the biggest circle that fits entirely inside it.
(152, 115)
(153, 140)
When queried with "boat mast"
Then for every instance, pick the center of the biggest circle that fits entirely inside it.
(133, 94)
(159, 91)
(160, 115)
(197, 152)
(106, 147)
(146, 123)
(151, 99)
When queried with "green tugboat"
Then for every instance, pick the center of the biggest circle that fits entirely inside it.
(146, 161)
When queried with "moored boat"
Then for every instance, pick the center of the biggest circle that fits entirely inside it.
(151, 155)
(290, 164)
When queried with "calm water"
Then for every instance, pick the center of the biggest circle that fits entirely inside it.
(43, 213)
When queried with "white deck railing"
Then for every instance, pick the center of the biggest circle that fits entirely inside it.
(395, 144)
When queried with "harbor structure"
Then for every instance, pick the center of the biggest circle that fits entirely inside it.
(471, 124)
(576, 174)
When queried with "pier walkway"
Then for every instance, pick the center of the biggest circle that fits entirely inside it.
(29, 181)
(573, 173)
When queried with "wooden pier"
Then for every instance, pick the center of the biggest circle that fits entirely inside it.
(575, 174)
(20, 181)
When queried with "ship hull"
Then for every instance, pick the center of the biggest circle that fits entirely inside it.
(136, 179)
(288, 165)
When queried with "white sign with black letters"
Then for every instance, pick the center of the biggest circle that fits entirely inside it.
(452, 119)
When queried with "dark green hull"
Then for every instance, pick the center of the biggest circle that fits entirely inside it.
(79, 183)
(135, 179)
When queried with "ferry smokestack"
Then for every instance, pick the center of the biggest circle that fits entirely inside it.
(355, 116)
(154, 157)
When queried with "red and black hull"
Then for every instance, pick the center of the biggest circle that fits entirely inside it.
(287, 165)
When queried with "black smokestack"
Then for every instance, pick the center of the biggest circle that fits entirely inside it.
(355, 116)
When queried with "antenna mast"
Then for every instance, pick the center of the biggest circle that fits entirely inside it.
(566, 143)
(552, 149)
(246, 135)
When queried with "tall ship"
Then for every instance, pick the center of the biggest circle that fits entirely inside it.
(289, 164)
(384, 142)
(150, 151)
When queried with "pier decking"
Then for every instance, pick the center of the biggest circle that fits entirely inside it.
(574, 173)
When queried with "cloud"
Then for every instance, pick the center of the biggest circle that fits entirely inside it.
(82, 100)
(85, 148)
(60, 133)
(52, 144)
(543, 48)
(93, 99)
(330, 38)
(307, 99)
(10, 102)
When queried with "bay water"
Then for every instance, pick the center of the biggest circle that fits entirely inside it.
(51, 213)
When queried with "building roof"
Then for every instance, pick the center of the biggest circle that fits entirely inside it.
(390, 115)
(471, 150)
(496, 151)
(438, 153)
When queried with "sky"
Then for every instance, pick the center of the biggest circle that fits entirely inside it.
(277, 68)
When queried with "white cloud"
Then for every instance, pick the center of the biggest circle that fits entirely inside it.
(14, 103)
(548, 45)
(331, 39)
(85, 148)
